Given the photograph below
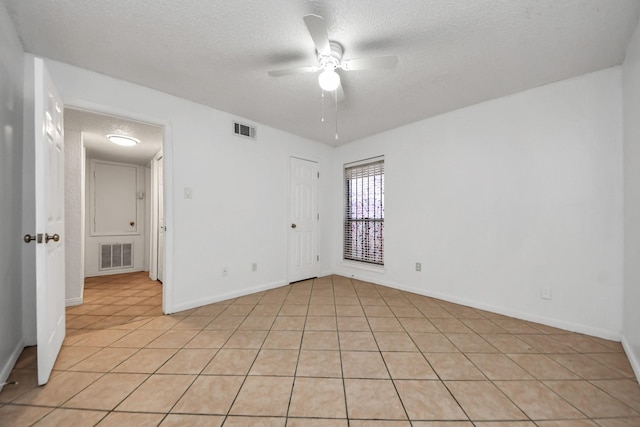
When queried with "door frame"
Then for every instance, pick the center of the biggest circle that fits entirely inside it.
(153, 217)
(167, 302)
(288, 215)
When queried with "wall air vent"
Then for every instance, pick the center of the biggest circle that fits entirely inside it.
(244, 130)
(116, 255)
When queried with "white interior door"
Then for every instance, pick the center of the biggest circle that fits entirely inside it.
(304, 220)
(49, 173)
(160, 221)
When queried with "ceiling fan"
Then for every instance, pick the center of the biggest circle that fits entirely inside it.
(330, 59)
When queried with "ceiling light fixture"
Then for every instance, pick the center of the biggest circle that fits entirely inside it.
(125, 141)
(329, 80)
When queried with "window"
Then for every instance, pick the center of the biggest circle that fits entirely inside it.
(364, 211)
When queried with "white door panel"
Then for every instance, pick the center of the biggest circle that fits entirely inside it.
(304, 220)
(49, 173)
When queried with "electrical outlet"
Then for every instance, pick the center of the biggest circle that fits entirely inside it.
(225, 271)
(188, 193)
(545, 293)
(254, 266)
(418, 266)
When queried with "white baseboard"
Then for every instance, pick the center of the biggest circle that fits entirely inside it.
(222, 297)
(634, 358)
(10, 363)
(569, 326)
(73, 301)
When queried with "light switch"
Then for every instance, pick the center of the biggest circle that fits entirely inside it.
(188, 193)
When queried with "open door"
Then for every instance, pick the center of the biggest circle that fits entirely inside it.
(160, 185)
(49, 192)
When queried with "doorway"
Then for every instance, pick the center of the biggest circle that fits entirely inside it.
(110, 217)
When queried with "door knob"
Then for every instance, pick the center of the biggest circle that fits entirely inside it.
(28, 238)
(132, 223)
(293, 226)
(55, 237)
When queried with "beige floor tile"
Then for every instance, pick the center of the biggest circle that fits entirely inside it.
(449, 424)
(481, 400)
(294, 310)
(375, 399)
(246, 339)
(225, 322)
(107, 392)
(26, 380)
(172, 339)
(187, 361)
(275, 363)
(138, 338)
(615, 361)
(408, 366)
(101, 338)
(103, 360)
(266, 310)
(451, 325)
(319, 363)
(428, 400)
(394, 341)
(321, 310)
(252, 399)
(498, 367)
(433, 342)
(126, 419)
(180, 420)
(70, 355)
(59, 389)
(349, 310)
(619, 422)
(283, 340)
(146, 361)
(543, 367)
(209, 339)
(379, 423)
(385, 324)
(363, 364)
(567, 423)
(233, 421)
(288, 323)
(209, 395)
(626, 391)
(590, 400)
(538, 401)
(316, 422)
(546, 344)
(257, 323)
(585, 367)
(582, 343)
(231, 362)
(13, 415)
(71, 417)
(411, 324)
(318, 398)
(157, 394)
(483, 326)
(362, 341)
(507, 343)
(162, 322)
(192, 323)
(471, 343)
(454, 366)
(377, 311)
(353, 323)
(321, 323)
(320, 340)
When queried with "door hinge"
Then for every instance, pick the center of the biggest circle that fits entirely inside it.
(318, 217)
(317, 257)
(318, 174)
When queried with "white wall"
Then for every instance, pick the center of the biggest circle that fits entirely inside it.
(11, 244)
(503, 198)
(74, 155)
(238, 213)
(631, 96)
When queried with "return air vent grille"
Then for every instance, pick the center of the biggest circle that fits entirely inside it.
(116, 255)
(244, 130)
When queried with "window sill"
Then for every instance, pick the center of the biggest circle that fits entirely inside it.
(363, 266)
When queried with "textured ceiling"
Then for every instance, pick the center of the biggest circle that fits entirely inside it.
(95, 128)
(451, 53)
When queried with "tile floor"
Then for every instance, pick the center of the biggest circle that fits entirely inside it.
(327, 352)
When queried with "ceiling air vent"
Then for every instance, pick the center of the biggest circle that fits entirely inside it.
(244, 130)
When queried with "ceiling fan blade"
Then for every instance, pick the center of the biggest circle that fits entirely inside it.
(318, 31)
(291, 71)
(376, 63)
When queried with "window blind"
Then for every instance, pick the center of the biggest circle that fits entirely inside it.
(364, 212)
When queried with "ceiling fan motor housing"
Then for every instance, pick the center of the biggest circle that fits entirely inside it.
(334, 58)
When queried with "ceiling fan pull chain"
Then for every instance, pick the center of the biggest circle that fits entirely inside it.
(322, 119)
(336, 98)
